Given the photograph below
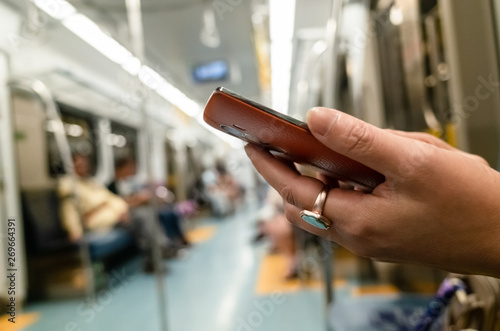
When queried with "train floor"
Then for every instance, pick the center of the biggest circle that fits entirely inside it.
(225, 281)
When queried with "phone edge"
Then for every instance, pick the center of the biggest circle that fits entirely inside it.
(264, 108)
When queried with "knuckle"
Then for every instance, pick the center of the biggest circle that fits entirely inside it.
(360, 138)
(360, 230)
(288, 194)
(291, 215)
(481, 160)
(430, 139)
(418, 161)
(363, 235)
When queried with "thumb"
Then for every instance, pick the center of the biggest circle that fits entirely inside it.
(358, 140)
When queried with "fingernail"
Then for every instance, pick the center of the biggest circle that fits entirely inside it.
(320, 120)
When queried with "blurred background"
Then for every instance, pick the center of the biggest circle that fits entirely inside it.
(132, 214)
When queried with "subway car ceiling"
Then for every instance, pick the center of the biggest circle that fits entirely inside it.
(80, 76)
(199, 45)
(175, 39)
(392, 61)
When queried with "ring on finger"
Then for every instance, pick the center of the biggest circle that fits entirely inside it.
(315, 216)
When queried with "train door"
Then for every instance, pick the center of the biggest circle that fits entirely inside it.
(96, 277)
(56, 267)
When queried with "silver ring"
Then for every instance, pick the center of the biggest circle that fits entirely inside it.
(314, 216)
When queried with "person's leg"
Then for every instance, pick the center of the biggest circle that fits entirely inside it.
(279, 230)
(146, 235)
(170, 221)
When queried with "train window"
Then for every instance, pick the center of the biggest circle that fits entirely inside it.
(81, 138)
(124, 142)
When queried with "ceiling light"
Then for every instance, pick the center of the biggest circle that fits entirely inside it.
(396, 15)
(281, 21)
(117, 140)
(90, 32)
(132, 66)
(230, 140)
(54, 126)
(179, 99)
(151, 78)
(209, 35)
(281, 64)
(73, 130)
(58, 9)
(156, 82)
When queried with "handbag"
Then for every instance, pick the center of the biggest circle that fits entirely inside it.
(478, 308)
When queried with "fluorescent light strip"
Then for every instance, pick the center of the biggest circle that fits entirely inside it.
(58, 9)
(179, 99)
(230, 140)
(157, 83)
(151, 78)
(91, 33)
(282, 19)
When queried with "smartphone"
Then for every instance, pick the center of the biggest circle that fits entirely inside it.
(284, 136)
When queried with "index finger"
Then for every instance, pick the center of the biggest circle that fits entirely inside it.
(376, 148)
(302, 191)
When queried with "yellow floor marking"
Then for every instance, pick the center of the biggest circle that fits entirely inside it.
(271, 277)
(374, 290)
(200, 234)
(22, 321)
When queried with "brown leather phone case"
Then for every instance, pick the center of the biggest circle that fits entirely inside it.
(284, 136)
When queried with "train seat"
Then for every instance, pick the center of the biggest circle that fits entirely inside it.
(44, 233)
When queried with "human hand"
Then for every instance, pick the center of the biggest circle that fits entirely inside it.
(143, 196)
(75, 236)
(438, 206)
(124, 217)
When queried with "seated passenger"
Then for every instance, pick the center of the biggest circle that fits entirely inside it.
(136, 195)
(100, 209)
(274, 225)
(223, 190)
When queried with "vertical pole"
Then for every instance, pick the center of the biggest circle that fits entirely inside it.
(327, 253)
(9, 193)
(157, 258)
(136, 32)
(330, 99)
(332, 58)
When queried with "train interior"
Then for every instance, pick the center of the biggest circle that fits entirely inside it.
(116, 89)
